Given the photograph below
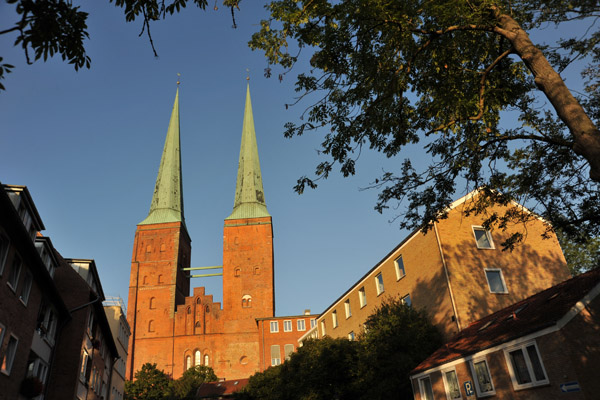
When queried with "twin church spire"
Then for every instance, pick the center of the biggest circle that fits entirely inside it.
(167, 200)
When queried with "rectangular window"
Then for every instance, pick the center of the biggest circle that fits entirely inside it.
(274, 326)
(425, 388)
(26, 288)
(4, 246)
(288, 349)
(91, 322)
(451, 384)
(406, 300)
(287, 325)
(323, 332)
(15, 272)
(347, 309)
(525, 366)
(495, 280)
(483, 238)
(362, 297)
(334, 319)
(275, 355)
(483, 379)
(351, 336)
(301, 325)
(313, 322)
(379, 284)
(9, 355)
(84, 362)
(2, 330)
(399, 264)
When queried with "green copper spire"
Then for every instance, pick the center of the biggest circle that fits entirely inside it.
(167, 201)
(249, 194)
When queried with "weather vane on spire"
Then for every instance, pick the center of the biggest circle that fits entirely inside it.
(178, 80)
(247, 74)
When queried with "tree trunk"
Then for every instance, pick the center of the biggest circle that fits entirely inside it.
(586, 135)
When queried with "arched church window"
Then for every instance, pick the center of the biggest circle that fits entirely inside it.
(206, 360)
(151, 326)
(188, 362)
(247, 301)
(198, 301)
(207, 309)
(197, 324)
(152, 303)
(197, 358)
(189, 310)
(257, 271)
(237, 272)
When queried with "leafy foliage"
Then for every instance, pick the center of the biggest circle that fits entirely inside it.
(378, 364)
(398, 338)
(436, 80)
(187, 386)
(582, 254)
(150, 384)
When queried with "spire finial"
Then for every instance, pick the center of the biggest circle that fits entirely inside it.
(178, 79)
(247, 74)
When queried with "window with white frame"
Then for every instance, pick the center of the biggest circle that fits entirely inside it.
(4, 246)
(483, 380)
(274, 326)
(287, 325)
(351, 336)
(313, 322)
(26, 288)
(451, 384)
(323, 331)
(406, 300)
(15, 272)
(275, 355)
(425, 388)
(301, 325)
(379, 284)
(362, 297)
(495, 280)
(399, 265)
(334, 319)
(525, 366)
(288, 349)
(483, 238)
(347, 308)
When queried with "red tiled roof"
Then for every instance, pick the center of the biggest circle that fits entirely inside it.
(527, 316)
(224, 388)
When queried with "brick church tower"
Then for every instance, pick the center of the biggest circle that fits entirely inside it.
(248, 276)
(177, 330)
(161, 248)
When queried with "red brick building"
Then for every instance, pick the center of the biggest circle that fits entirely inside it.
(544, 347)
(175, 330)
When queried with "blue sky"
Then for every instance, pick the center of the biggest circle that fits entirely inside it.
(88, 145)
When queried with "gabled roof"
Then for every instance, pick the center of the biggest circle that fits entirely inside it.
(217, 389)
(553, 307)
(249, 194)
